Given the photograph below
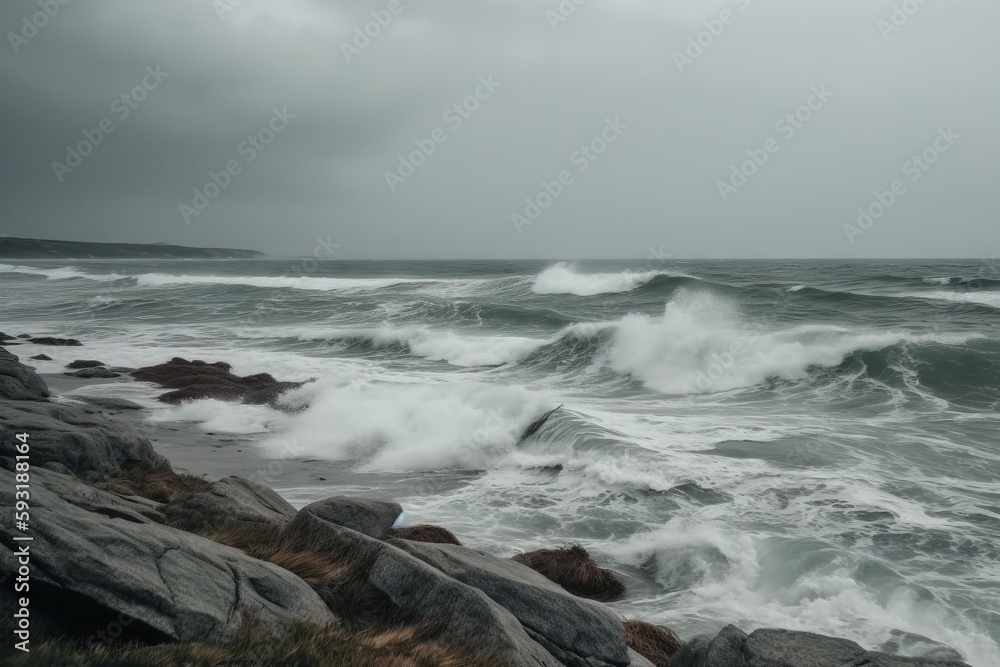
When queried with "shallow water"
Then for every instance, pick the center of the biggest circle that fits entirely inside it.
(808, 445)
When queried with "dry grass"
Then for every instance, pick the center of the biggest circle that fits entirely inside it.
(306, 646)
(162, 486)
(431, 534)
(573, 569)
(653, 642)
(336, 571)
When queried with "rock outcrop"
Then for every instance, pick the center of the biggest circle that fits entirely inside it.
(76, 438)
(577, 632)
(18, 382)
(109, 559)
(192, 380)
(228, 502)
(786, 648)
(59, 342)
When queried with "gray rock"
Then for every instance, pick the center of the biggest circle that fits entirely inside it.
(801, 649)
(85, 363)
(109, 402)
(41, 357)
(724, 650)
(55, 466)
(787, 648)
(424, 592)
(61, 342)
(18, 382)
(80, 441)
(98, 372)
(578, 632)
(419, 592)
(106, 558)
(369, 517)
(638, 660)
(230, 501)
(913, 644)
(24, 335)
(4, 337)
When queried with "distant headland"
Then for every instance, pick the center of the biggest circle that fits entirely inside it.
(19, 248)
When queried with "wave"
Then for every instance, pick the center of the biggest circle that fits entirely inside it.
(702, 344)
(562, 279)
(277, 282)
(447, 346)
(408, 426)
(982, 298)
(62, 273)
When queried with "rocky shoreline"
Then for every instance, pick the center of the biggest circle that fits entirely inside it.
(134, 563)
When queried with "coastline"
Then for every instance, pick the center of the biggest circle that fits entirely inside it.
(214, 457)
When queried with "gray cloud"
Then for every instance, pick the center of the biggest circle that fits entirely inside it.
(656, 186)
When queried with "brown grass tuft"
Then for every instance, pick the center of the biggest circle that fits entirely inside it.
(431, 534)
(162, 486)
(573, 569)
(653, 642)
(258, 540)
(305, 646)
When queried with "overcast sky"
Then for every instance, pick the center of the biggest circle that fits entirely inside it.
(620, 77)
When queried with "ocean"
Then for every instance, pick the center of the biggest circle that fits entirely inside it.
(801, 444)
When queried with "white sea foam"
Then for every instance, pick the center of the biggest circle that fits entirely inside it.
(277, 282)
(454, 348)
(562, 279)
(410, 426)
(794, 583)
(702, 344)
(61, 273)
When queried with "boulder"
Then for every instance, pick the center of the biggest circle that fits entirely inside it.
(193, 380)
(24, 336)
(409, 588)
(18, 382)
(4, 337)
(98, 372)
(85, 363)
(368, 517)
(41, 357)
(425, 593)
(229, 501)
(72, 436)
(109, 402)
(788, 648)
(425, 533)
(579, 633)
(108, 560)
(638, 660)
(61, 342)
